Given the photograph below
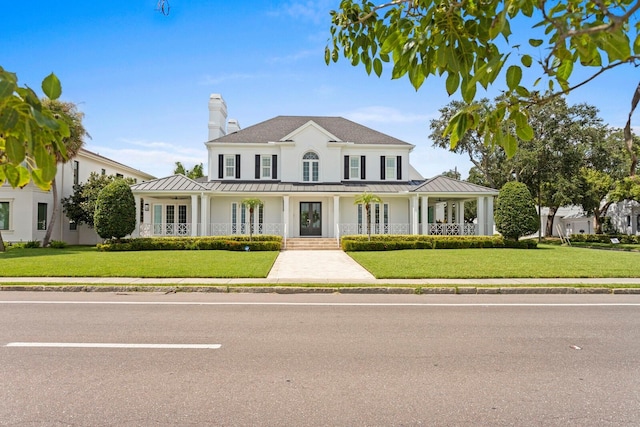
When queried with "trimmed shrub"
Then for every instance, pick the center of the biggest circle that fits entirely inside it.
(606, 238)
(115, 215)
(397, 242)
(57, 244)
(515, 212)
(220, 243)
(32, 244)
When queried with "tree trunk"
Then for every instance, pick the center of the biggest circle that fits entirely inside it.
(54, 213)
(598, 214)
(597, 223)
(368, 207)
(550, 217)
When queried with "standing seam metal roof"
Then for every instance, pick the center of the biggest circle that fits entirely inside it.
(170, 183)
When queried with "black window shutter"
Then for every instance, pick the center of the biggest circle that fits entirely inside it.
(363, 167)
(238, 166)
(274, 166)
(220, 166)
(383, 168)
(399, 167)
(346, 167)
(257, 166)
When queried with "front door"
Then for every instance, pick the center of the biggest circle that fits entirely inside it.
(310, 218)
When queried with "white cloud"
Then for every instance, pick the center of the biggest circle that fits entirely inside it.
(294, 57)
(377, 114)
(156, 158)
(209, 80)
(315, 11)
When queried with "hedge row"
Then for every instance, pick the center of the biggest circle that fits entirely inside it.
(397, 242)
(605, 238)
(224, 243)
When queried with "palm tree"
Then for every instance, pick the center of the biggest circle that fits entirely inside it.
(367, 199)
(68, 112)
(251, 204)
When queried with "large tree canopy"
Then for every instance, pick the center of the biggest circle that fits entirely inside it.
(475, 44)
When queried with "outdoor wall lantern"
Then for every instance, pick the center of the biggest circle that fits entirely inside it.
(146, 207)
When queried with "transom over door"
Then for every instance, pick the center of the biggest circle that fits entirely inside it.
(310, 218)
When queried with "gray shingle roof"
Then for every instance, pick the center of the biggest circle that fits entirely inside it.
(279, 127)
(170, 183)
(443, 184)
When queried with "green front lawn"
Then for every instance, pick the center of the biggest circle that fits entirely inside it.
(545, 262)
(78, 261)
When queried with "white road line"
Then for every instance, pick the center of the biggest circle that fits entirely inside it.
(325, 304)
(112, 345)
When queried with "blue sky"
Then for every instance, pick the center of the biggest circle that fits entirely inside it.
(143, 80)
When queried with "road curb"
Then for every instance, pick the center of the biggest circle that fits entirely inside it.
(397, 290)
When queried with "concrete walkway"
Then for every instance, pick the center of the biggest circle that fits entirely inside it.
(317, 265)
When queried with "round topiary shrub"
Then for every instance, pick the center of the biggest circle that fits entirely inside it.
(515, 211)
(115, 215)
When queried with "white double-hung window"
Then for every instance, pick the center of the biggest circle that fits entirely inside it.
(265, 162)
(354, 167)
(4, 215)
(390, 167)
(229, 166)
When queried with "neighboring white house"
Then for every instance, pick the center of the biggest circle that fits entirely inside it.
(308, 171)
(25, 213)
(625, 219)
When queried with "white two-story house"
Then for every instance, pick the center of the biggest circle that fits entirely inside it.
(307, 171)
(25, 213)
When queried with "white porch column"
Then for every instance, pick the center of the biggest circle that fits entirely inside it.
(136, 232)
(194, 215)
(425, 214)
(285, 216)
(460, 216)
(414, 214)
(449, 212)
(204, 215)
(489, 230)
(481, 216)
(336, 217)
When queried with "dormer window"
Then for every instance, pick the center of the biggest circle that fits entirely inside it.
(310, 167)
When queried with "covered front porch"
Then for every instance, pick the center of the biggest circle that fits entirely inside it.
(329, 211)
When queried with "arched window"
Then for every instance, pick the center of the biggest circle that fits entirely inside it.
(310, 167)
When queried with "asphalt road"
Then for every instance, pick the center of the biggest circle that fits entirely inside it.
(315, 360)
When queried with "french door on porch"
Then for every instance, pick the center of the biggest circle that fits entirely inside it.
(310, 219)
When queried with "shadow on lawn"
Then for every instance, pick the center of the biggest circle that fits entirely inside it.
(13, 253)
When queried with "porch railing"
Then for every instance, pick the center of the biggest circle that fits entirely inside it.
(345, 229)
(465, 229)
(214, 229)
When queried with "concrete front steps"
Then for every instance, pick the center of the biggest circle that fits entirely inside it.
(311, 243)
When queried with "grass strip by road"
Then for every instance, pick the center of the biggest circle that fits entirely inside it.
(79, 261)
(547, 261)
